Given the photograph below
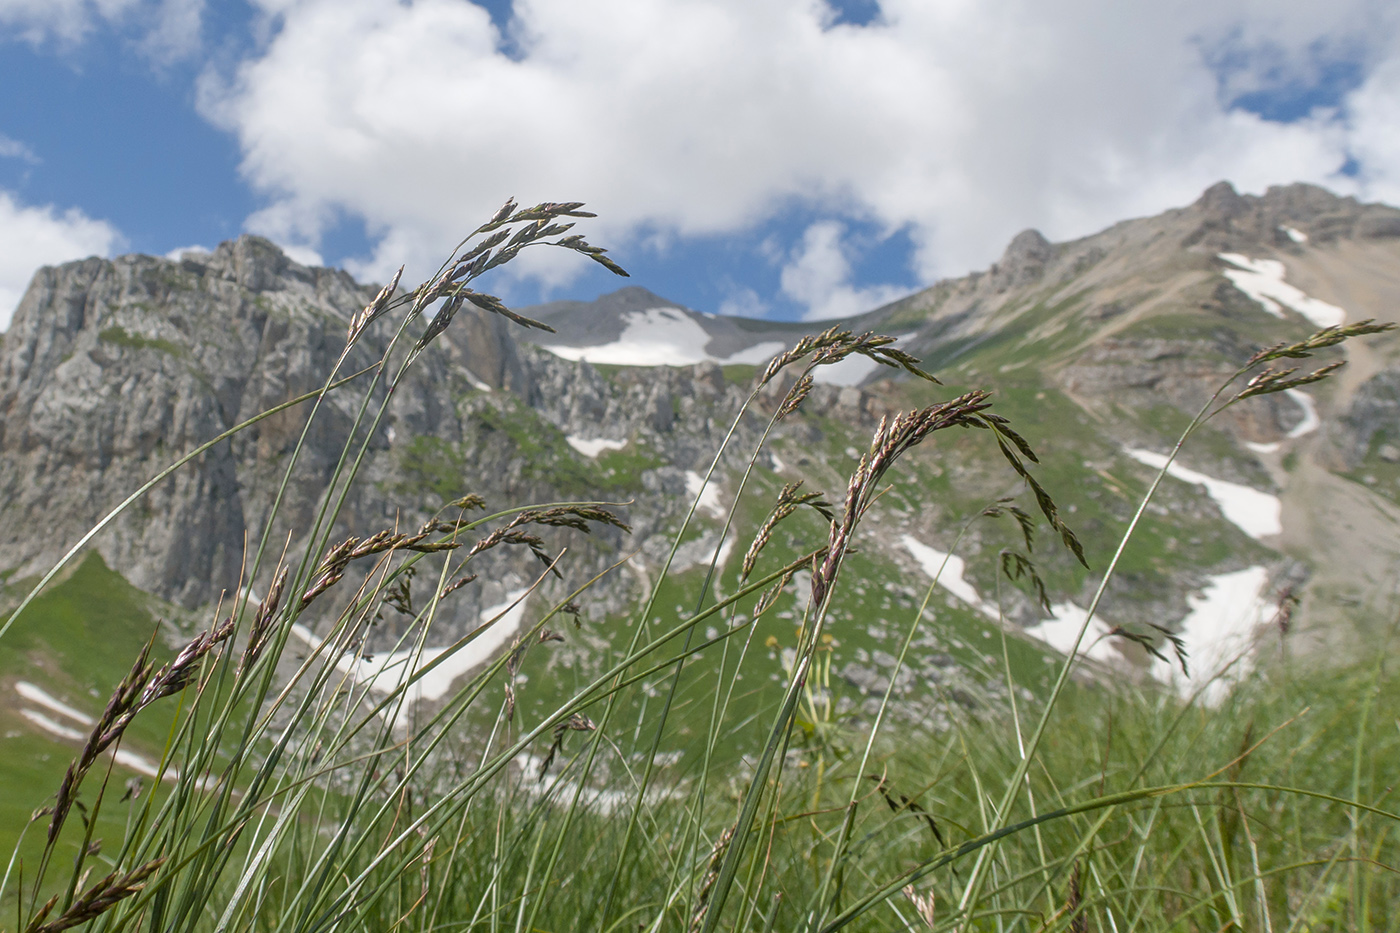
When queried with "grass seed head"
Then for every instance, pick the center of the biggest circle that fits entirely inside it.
(96, 900)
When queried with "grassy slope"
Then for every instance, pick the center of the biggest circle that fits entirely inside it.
(934, 492)
(76, 642)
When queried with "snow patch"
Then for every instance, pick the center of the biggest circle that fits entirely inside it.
(756, 355)
(592, 448)
(1257, 514)
(698, 553)
(1218, 631)
(1311, 421)
(384, 672)
(1262, 280)
(53, 728)
(849, 372)
(1060, 631)
(1296, 235)
(948, 570)
(37, 695)
(853, 370)
(138, 763)
(661, 337)
(709, 503)
(654, 337)
(476, 381)
(726, 549)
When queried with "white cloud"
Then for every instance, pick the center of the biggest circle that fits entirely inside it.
(173, 31)
(302, 254)
(178, 253)
(167, 30)
(36, 236)
(743, 302)
(67, 21)
(14, 149)
(1375, 139)
(962, 122)
(818, 277)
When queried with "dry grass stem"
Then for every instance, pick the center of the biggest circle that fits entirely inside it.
(95, 901)
(702, 900)
(923, 904)
(789, 501)
(892, 438)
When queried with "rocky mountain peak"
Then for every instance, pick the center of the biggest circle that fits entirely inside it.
(636, 298)
(1222, 200)
(1232, 222)
(253, 262)
(1024, 260)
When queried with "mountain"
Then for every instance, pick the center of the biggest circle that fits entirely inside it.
(1135, 326)
(1099, 350)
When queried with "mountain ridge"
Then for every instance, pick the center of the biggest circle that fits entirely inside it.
(1104, 345)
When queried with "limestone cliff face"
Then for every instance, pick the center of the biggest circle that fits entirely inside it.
(111, 370)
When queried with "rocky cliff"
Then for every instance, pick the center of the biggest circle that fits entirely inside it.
(113, 369)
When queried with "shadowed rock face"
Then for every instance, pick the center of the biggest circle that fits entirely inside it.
(1371, 422)
(112, 370)
(1024, 260)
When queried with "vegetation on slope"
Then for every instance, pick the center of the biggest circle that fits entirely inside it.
(705, 773)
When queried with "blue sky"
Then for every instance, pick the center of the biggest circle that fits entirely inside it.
(786, 158)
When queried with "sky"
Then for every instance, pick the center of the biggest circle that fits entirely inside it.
(778, 158)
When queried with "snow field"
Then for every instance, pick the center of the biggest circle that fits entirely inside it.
(40, 697)
(591, 448)
(384, 672)
(1217, 631)
(1257, 514)
(1262, 280)
(1059, 631)
(662, 337)
(709, 494)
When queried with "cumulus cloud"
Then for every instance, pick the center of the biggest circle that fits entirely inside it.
(959, 122)
(36, 236)
(1375, 139)
(167, 30)
(14, 149)
(179, 252)
(818, 277)
(743, 302)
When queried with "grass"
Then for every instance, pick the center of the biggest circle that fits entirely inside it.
(121, 337)
(75, 641)
(708, 768)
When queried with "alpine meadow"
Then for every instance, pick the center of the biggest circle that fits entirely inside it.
(1057, 597)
